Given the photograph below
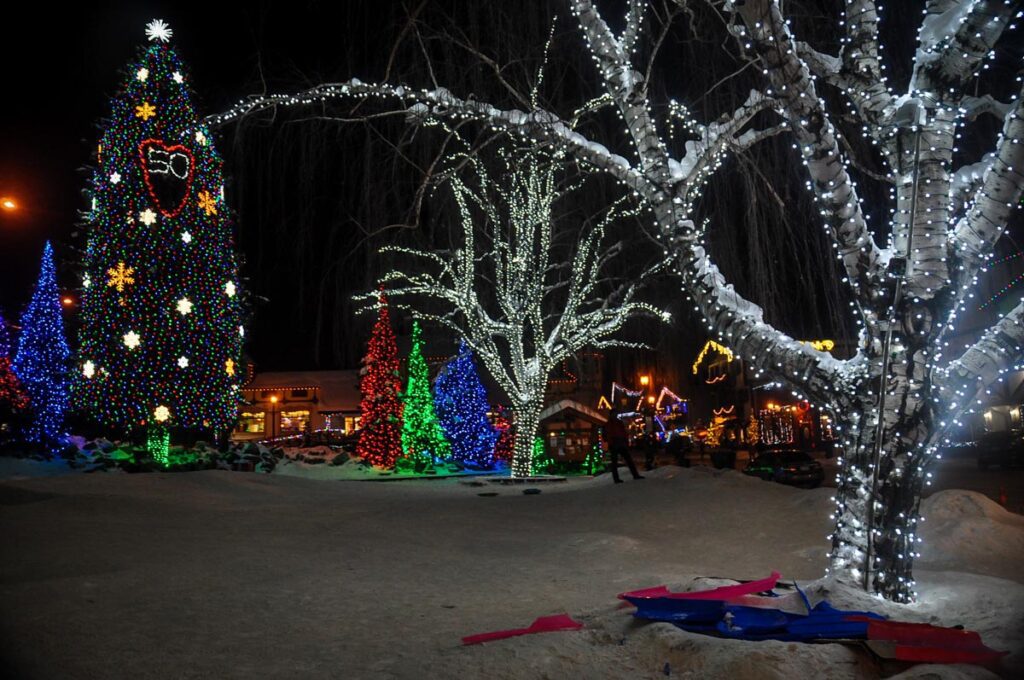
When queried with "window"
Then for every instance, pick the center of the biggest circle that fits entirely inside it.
(339, 421)
(294, 422)
(250, 421)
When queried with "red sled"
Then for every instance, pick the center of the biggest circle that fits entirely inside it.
(543, 624)
(925, 643)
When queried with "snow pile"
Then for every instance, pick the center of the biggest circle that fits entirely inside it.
(966, 531)
(382, 580)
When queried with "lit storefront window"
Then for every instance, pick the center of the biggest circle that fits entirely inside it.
(294, 422)
(252, 422)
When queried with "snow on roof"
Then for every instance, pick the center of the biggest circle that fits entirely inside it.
(339, 390)
(570, 404)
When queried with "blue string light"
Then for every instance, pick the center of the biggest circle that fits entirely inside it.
(42, 360)
(461, 404)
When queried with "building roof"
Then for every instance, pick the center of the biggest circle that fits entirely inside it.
(339, 390)
(572, 405)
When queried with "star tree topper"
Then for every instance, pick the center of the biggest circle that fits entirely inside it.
(157, 29)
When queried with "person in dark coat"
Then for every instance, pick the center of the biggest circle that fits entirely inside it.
(618, 444)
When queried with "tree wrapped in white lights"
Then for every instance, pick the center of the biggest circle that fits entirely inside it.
(504, 292)
(906, 294)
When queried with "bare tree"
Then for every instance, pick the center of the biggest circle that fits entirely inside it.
(897, 397)
(510, 293)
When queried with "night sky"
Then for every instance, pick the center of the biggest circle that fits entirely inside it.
(289, 177)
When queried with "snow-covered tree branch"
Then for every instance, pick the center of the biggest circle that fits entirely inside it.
(891, 398)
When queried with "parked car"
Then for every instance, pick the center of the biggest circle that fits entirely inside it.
(786, 466)
(1000, 448)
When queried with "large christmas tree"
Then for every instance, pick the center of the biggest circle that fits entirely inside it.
(422, 436)
(161, 336)
(42, 360)
(460, 401)
(380, 441)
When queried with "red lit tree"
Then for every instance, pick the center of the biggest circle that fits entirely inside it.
(12, 395)
(380, 442)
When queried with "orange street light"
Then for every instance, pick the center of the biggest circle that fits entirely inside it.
(68, 301)
(273, 399)
(8, 204)
(650, 400)
(645, 380)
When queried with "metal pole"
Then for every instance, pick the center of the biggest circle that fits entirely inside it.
(887, 341)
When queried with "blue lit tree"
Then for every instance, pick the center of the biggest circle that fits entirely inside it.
(42, 360)
(460, 401)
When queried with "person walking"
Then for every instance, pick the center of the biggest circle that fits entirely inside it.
(618, 443)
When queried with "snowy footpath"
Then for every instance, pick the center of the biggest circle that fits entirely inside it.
(238, 575)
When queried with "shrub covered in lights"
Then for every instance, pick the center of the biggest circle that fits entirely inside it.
(161, 335)
(422, 436)
(41, 364)
(461, 404)
(13, 399)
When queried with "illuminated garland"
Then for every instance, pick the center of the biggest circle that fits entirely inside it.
(1017, 279)
(709, 346)
(461, 404)
(42, 361)
(161, 336)
(380, 439)
(422, 436)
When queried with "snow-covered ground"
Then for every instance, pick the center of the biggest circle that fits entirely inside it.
(233, 575)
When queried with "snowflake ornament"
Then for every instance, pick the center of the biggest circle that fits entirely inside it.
(184, 306)
(145, 111)
(131, 339)
(182, 362)
(229, 288)
(177, 77)
(157, 29)
(186, 237)
(208, 203)
(161, 414)
(200, 137)
(88, 369)
(115, 177)
(120, 276)
(147, 217)
(142, 74)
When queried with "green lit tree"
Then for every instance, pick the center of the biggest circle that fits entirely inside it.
(161, 334)
(423, 439)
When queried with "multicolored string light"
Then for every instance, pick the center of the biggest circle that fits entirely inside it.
(161, 335)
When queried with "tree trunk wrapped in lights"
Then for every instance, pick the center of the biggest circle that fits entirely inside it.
(895, 400)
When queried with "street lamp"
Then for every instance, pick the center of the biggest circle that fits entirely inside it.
(645, 380)
(8, 204)
(273, 403)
